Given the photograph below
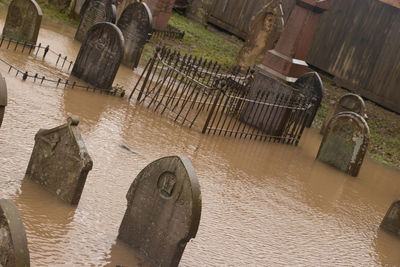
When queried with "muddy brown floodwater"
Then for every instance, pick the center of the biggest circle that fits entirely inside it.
(264, 204)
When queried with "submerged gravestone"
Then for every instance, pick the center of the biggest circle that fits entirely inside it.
(93, 12)
(391, 222)
(163, 213)
(3, 98)
(348, 102)
(23, 21)
(100, 55)
(13, 243)
(264, 32)
(345, 142)
(136, 26)
(60, 161)
(310, 84)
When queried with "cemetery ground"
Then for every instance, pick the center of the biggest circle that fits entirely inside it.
(210, 43)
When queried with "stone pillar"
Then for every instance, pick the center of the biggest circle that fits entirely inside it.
(161, 11)
(286, 61)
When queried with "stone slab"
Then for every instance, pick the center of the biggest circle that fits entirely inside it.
(345, 142)
(136, 26)
(13, 243)
(391, 221)
(164, 209)
(161, 11)
(23, 21)
(100, 55)
(60, 161)
(3, 98)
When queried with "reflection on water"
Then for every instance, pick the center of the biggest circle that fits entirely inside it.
(263, 204)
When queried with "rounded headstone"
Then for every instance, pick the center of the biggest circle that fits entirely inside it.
(23, 21)
(136, 26)
(345, 142)
(100, 55)
(391, 221)
(310, 84)
(13, 243)
(164, 209)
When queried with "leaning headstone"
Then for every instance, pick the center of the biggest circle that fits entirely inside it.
(348, 102)
(391, 222)
(3, 98)
(23, 21)
(163, 213)
(13, 243)
(60, 161)
(264, 32)
(135, 24)
(92, 12)
(100, 55)
(310, 84)
(345, 142)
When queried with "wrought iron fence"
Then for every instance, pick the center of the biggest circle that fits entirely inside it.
(193, 92)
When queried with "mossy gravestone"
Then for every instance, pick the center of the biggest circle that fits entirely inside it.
(345, 142)
(13, 244)
(310, 84)
(264, 32)
(391, 222)
(60, 161)
(23, 21)
(135, 25)
(100, 55)
(348, 102)
(163, 213)
(3, 98)
(92, 12)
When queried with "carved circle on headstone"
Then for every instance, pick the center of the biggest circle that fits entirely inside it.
(92, 12)
(136, 26)
(13, 243)
(23, 21)
(348, 102)
(100, 55)
(163, 212)
(345, 142)
(3, 98)
(310, 84)
(391, 221)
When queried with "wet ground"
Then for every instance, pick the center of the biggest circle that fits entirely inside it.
(264, 204)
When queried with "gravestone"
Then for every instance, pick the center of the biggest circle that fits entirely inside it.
(93, 12)
(345, 142)
(264, 32)
(135, 24)
(60, 161)
(391, 222)
(272, 120)
(163, 213)
(23, 21)
(3, 98)
(348, 102)
(100, 55)
(310, 84)
(161, 11)
(13, 243)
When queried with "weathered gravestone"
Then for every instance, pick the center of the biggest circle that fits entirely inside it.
(348, 102)
(161, 11)
(23, 21)
(100, 55)
(92, 12)
(13, 244)
(3, 98)
(310, 84)
(345, 142)
(60, 161)
(264, 32)
(272, 120)
(135, 24)
(163, 213)
(391, 222)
